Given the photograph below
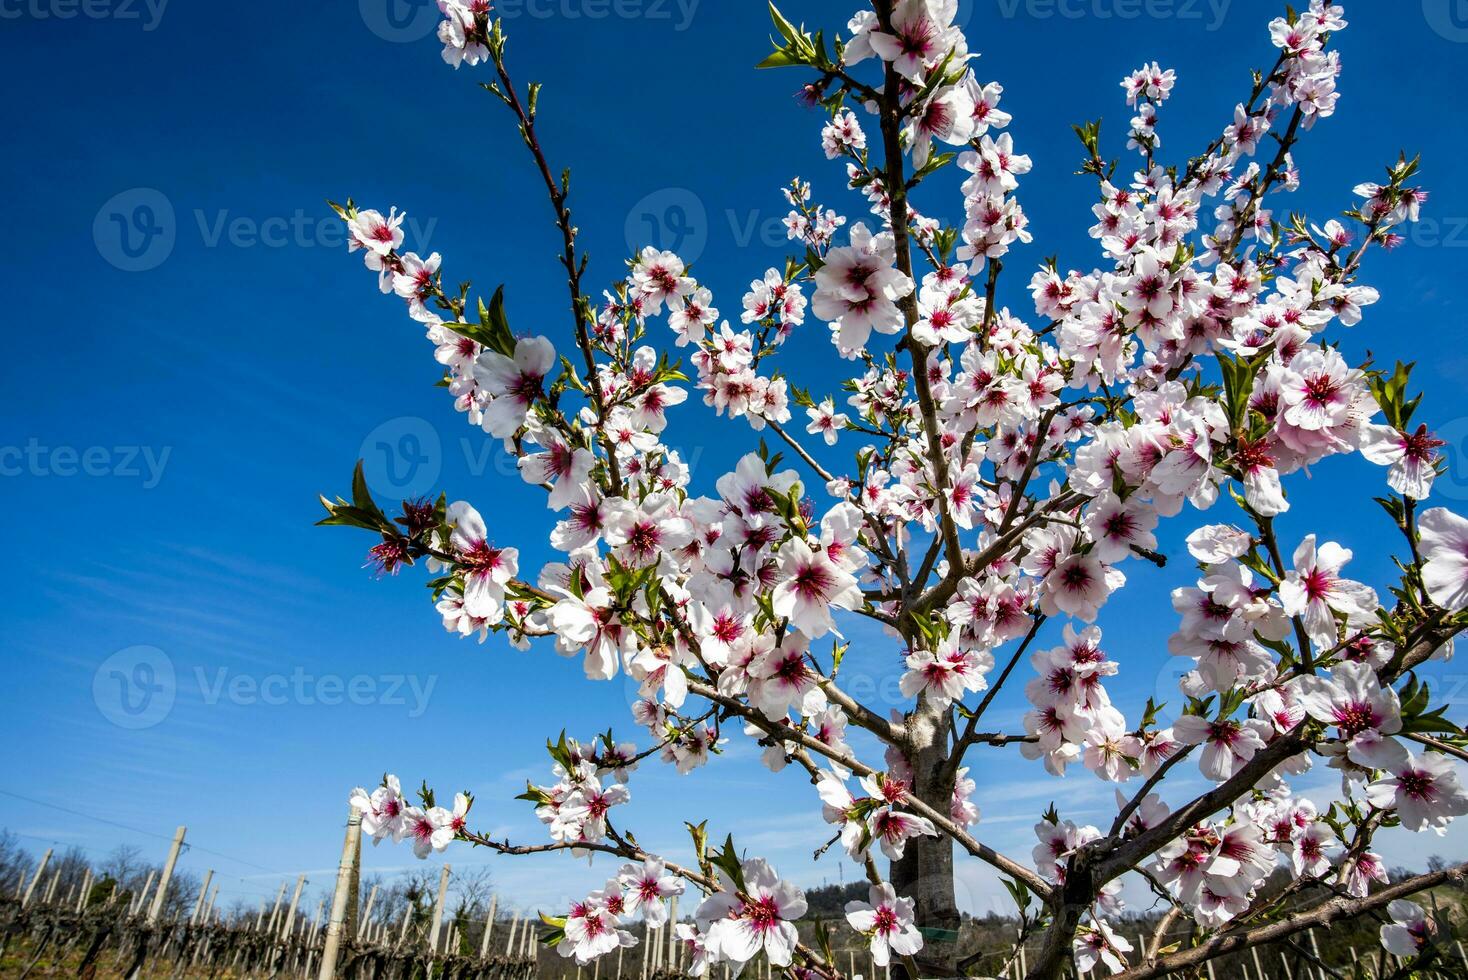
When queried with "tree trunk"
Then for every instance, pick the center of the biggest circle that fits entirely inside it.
(925, 873)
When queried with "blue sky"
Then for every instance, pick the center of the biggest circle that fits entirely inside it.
(194, 356)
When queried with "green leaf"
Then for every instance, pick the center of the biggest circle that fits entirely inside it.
(787, 30)
(780, 59)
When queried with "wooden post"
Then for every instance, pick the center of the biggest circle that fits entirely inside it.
(488, 926)
(672, 960)
(344, 896)
(1258, 966)
(40, 870)
(365, 919)
(290, 915)
(646, 947)
(157, 908)
(199, 902)
(209, 905)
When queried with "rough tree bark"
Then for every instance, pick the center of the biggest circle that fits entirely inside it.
(925, 873)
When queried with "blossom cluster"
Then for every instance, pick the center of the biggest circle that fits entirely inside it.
(1008, 470)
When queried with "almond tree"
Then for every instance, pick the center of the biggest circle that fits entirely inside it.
(1007, 467)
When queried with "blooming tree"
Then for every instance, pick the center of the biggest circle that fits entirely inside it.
(1008, 467)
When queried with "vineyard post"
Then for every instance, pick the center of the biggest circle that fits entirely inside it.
(81, 902)
(407, 921)
(40, 869)
(672, 960)
(141, 898)
(209, 905)
(275, 909)
(345, 894)
(199, 902)
(157, 908)
(488, 926)
(514, 928)
(354, 888)
(290, 915)
(52, 888)
(437, 926)
(365, 919)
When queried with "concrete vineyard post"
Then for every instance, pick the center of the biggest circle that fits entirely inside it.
(141, 898)
(40, 870)
(275, 909)
(514, 928)
(344, 895)
(366, 919)
(488, 927)
(437, 926)
(199, 902)
(157, 908)
(290, 916)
